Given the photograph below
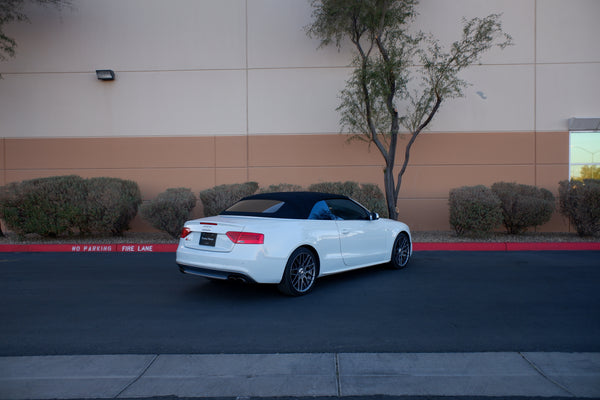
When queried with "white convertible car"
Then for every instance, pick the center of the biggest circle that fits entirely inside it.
(290, 239)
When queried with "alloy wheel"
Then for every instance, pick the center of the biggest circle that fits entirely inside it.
(401, 251)
(302, 272)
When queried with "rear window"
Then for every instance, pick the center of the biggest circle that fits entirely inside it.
(258, 206)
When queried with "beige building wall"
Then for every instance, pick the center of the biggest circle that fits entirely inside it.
(222, 91)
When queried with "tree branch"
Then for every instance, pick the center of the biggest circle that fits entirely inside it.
(438, 103)
(365, 88)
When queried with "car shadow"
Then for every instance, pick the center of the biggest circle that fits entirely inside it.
(203, 289)
(362, 275)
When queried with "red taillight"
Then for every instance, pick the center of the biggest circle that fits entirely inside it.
(185, 232)
(246, 237)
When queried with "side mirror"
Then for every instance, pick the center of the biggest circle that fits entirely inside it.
(374, 216)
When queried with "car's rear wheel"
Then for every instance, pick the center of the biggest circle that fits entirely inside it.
(300, 273)
(400, 251)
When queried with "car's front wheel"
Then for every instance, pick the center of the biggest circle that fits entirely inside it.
(300, 273)
(400, 251)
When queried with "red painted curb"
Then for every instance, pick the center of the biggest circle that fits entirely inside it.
(553, 246)
(454, 246)
(147, 248)
(171, 248)
(509, 246)
(88, 248)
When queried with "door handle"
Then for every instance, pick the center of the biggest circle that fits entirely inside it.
(345, 231)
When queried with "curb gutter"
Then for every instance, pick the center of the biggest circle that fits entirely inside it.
(419, 246)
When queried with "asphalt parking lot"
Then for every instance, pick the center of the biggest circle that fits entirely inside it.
(70, 304)
(468, 318)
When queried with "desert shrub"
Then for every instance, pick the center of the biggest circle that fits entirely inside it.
(282, 187)
(371, 196)
(46, 206)
(580, 202)
(347, 188)
(367, 194)
(169, 210)
(523, 206)
(474, 210)
(111, 204)
(66, 204)
(221, 197)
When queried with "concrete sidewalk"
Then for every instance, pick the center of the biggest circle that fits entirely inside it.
(329, 374)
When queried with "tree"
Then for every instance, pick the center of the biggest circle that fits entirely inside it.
(14, 11)
(377, 102)
(589, 172)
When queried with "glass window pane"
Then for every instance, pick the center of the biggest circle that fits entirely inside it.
(347, 209)
(256, 206)
(321, 211)
(585, 147)
(584, 155)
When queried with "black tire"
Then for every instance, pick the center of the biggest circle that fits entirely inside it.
(400, 251)
(300, 273)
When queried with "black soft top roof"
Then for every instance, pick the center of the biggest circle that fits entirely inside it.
(297, 205)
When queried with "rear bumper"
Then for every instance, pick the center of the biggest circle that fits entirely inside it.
(215, 274)
(249, 262)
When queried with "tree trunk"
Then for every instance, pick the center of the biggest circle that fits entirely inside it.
(388, 178)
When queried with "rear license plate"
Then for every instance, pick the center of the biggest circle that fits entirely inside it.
(208, 239)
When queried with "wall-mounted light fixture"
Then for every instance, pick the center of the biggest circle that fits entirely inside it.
(105, 74)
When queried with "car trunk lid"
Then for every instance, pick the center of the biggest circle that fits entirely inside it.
(210, 234)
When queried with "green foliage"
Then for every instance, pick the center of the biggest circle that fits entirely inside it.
(347, 188)
(282, 187)
(111, 204)
(589, 172)
(65, 204)
(14, 11)
(46, 206)
(523, 206)
(219, 198)
(169, 210)
(371, 196)
(389, 54)
(580, 202)
(367, 194)
(474, 211)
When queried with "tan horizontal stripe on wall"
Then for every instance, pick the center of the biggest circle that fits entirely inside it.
(439, 162)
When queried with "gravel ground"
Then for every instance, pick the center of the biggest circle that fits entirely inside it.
(419, 236)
